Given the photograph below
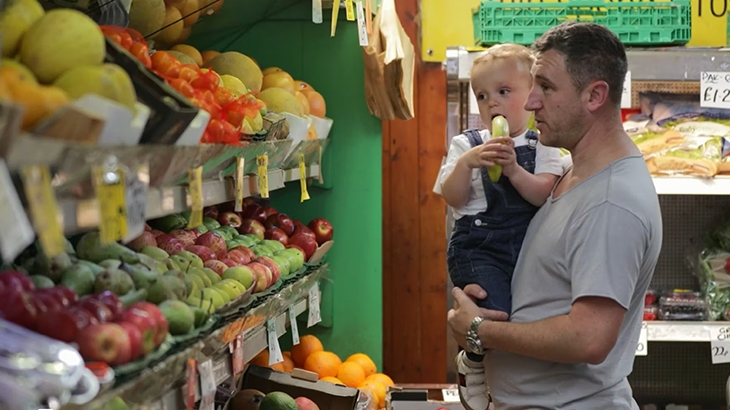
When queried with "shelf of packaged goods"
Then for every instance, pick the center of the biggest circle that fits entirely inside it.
(82, 215)
(692, 186)
(675, 63)
(659, 331)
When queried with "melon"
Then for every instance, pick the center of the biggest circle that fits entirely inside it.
(173, 24)
(190, 12)
(15, 20)
(239, 66)
(280, 100)
(147, 16)
(109, 81)
(191, 51)
(182, 57)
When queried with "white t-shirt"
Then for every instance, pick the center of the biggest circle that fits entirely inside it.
(547, 161)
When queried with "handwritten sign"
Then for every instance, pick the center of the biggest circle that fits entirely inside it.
(720, 344)
(715, 89)
(642, 348)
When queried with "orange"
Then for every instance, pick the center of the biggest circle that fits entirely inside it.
(382, 379)
(303, 101)
(317, 106)
(365, 361)
(308, 344)
(378, 389)
(262, 359)
(288, 364)
(323, 363)
(351, 373)
(332, 380)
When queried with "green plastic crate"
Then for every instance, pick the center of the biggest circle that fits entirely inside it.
(635, 23)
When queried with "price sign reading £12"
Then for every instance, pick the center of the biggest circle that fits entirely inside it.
(720, 344)
(715, 89)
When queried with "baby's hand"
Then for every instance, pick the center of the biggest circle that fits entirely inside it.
(477, 157)
(502, 151)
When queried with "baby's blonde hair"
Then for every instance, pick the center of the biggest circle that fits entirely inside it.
(517, 52)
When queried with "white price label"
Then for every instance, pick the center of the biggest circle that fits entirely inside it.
(17, 233)
(450, 395)
(275, 355)
(207, 385)
(626, 93)
(314, 305)
(642, 348)
(362, 28)
(720, 344)
(715, 89)
(293, 325)
(473, 105)
(135, 193)
(317, 11)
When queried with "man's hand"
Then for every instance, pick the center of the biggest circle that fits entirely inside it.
(465, 310)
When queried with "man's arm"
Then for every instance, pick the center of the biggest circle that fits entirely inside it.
(585, 335)
(533, 188)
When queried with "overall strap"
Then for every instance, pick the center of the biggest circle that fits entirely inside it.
(474, 137)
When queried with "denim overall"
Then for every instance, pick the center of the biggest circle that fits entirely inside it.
(483, 248)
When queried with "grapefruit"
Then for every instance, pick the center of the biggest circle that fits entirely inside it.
(15, 20)
(280, 79)
(303, 101)
(239, 66)
(302, 86)
(208, 55)
(108, 80)
(317, 106)
(271, 70)
(280, 100)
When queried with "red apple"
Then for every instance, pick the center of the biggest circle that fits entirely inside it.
(216, 266)
(304, 230)
(214, 241)
(237, 257)
(211, 212)
(255, 212)
(61, 325)
(135, 339)
(147, 227)
(111, 301)
(195, 232)
(322, 229)
(82, 316)
(248, 201)
(105, 342)
(306, 243)
(229, 262)
(273, 267)
(281, 221)
(226, 207)
(97, 309)
(276, 234)
(156, 232)
(252, 226)
(230, 219)
(145, 325)
(63, 296)
(159, 319)
(186, 236)
(203, 252)
(45, 302)
(16, 280)
(263, 276)
(170, 244)
(297, 247)
(245, 251)
(17, 307)
(147, 238)
(270, 210)
(305, 404)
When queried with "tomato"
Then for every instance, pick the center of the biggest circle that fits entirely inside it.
(163, 60)
(135, 35)
(206, 95)
(183, 87)
(223, 96)
(231, 134)
(115, 37)
(141, 53)
(127, 41)
(215, 131)
(189, 72)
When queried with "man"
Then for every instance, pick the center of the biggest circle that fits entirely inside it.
(590, 251)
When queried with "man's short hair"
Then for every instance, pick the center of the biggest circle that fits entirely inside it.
(592, 52)
(507, 51)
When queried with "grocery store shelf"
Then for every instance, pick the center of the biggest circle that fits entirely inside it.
(81, 215)
(675, 63)
(692, 186)
(658, 331)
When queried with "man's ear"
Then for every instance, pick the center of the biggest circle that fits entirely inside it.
(596, 95)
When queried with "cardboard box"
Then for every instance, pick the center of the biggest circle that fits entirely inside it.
(326, 395)
(423, 397)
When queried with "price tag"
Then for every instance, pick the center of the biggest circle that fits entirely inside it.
(275, 355)
(109, 191)
(303, 179)
(317, 11)
(17, 233)
(626, 93)
(320, 179)
(294, 326)
(642, 348)
(720, 344)
(195, 189)
(262, 161)
(207, 385)
(240, 162)
(47, 218)
(314, 313)
(237, 354)
(349, 10)
(135, 194)
(362, 29)
(450, 395)
(335, 15)
(191, 381)
(715, 89)
(368, 16)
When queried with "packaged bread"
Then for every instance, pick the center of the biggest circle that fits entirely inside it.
(654, 142)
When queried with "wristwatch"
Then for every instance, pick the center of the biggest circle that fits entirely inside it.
(472, 336)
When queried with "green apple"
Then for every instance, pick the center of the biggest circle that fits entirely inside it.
(214, 295)
(155, 252)
(194, 259)
(233, 243)
(227, 287)
(182, 262)
(231, 230)
(262, 250)
(212, 276)
(284, 265)
(234, 284)
(223, 233)
(202, 229)
(196, 280)
(252, 237)
(199, 273)
(296, 258)
(241, 274)
(171, 264)
(222, 293)
(274, 245)
(211, 223)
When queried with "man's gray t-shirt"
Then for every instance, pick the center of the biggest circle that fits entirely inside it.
(600, 238)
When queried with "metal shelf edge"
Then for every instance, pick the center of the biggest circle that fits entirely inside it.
(660, 331)
(692, 186)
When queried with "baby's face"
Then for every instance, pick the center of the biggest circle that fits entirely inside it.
(501, 88)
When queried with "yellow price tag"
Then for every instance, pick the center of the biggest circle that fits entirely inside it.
(44, 209)
(335, 14)
(195, 188)
(349, 10)
(263, 178)
(240, 162)
(110, 195)
(303, 178)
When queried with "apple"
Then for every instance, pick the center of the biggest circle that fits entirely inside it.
(186, 236)
(210, 212)
(281, 221)
(147, 238)
(241, 274)
(237, 257)
(62, 295)
(170, 244)
(135, 339)
(303, 230)
(105, 342)
(276, 234)
(306, 243)
(255, 212)
(62, 325)
(214, 241)
(248, 201)
(229, 262)
(156, 233)
(18, 307)
(197, 231)
(111, 301)
(216, 266)
(270, 210)
(322, 229)
(263, 276)
(45, 302)
(272, 265)
(145, 325)
(159, 319)
(97, 309)
(305, 404)
(203, 252)
(297, 247)
(82, 316)
(253, 227)
(147, 227)
(16, 280)
(246, 251)
(229, 219)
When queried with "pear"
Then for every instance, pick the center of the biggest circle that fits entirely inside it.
(142, 276)
(79, 278)
(91, 249)
(115, 280)
(51, 267)
(163, 289)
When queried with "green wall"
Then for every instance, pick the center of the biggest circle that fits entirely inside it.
(351, 201)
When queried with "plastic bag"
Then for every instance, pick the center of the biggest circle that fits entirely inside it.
(683, 305)
(711, 268)
(695, 156)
